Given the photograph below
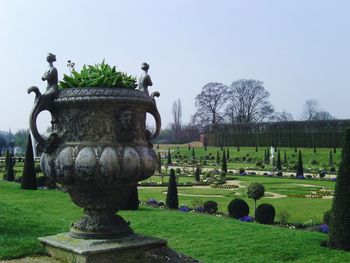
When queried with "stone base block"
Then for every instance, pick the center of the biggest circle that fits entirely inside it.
(133, 248)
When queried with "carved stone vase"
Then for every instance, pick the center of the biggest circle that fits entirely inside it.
(99, 149)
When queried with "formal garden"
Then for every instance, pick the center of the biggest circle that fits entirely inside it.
(213, 208)
(192, 201)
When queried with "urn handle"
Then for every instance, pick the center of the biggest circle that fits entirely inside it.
(42, 102)
(155, 113)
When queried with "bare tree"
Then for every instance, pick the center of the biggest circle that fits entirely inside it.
(323, 115)
(281, 116)
(248, 102)
(310, 109)
(210, 104)
(177, 115)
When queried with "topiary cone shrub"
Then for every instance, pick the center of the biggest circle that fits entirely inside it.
(10, 174)
(339, 236)
(300, 167)
(238, 208)
(265, 214)
(224, 162)
(172, 200)
(29, 181)
(169, 158)
(210, 207)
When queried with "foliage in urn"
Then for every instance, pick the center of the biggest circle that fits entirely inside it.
(98, 75)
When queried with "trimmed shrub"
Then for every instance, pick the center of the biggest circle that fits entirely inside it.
(133, 201)
(29, 170)
(10, 174)
(255, 191)
(278, 162)
(44, 181)
(169, 158)
(210, 207)
(265, 214)
(172, 200)
(224, 162)
(238, 208)
(300, 167)
(197, 173)
(339, 237)
(327, 217)
(279, 173)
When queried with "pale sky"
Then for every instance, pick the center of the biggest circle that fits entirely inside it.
(300, 49)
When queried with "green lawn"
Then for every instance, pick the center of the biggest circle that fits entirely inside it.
(27, 215)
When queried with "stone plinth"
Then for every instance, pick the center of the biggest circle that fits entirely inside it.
(132, 248)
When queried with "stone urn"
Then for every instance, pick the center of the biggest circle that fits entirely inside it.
(98, 150)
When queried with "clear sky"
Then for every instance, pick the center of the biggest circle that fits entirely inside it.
(300, 49)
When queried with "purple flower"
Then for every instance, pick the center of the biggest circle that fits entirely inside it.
(184, 208)
(152, 201)
(246, 219)
(199, 209)
(334, 179)
(324, 228)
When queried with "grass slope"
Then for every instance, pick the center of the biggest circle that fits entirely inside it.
(26, 215)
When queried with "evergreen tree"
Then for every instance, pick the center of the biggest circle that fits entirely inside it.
(205, 143)
(133, 201)
(10, 174)
(339, 236)
(295, 149)
(256, 148)
(221, 147)
(278, 162)
(189, 147)
(285, 160)
(300, 167)
(28, 174)
(172, 200)
(197, 173)
(335, 150)
(224, 162)
(169, 157)
(330, 158)
(227, 153)
(238, 148)
(217, 158)
(193, 154)
(315, 149)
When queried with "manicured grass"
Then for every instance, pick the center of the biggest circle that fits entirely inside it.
(26, 215)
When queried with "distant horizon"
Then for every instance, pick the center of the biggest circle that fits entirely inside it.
(298, 49)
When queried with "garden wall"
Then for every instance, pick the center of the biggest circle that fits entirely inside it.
(326, 133)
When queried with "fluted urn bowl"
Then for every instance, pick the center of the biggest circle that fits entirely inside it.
(98, 151)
